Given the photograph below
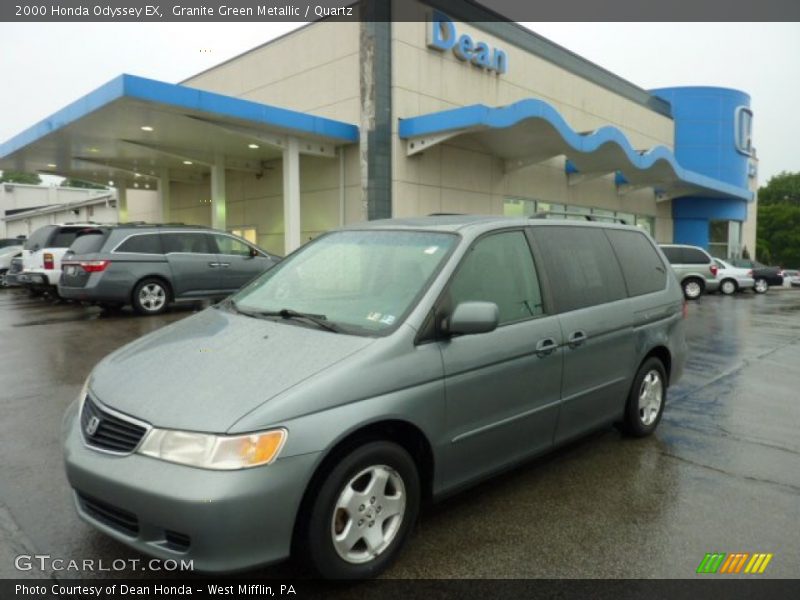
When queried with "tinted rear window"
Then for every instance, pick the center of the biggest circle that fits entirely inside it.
(88, 242)
(146, 243)
(673, 254)
(694, 256)
(193, 243)
(642, 267)
(64, 237)
(581, 266)
(39, 238)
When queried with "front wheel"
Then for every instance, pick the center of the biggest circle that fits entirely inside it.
(760, 286)
(728, 287)
(150, 297)
(646, 399)
(363, 512)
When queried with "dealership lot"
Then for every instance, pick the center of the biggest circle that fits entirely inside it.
(720, 475)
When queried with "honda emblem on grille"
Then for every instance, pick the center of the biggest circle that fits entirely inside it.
(92, 425)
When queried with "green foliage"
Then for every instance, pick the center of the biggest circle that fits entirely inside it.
(20, 177)
(779, 233)
(781, 188)
(79, 183)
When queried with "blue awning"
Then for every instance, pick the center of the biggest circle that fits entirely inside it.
(531, 131)
(131, 127)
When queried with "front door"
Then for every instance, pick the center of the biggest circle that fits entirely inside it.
(502, 387)
(239, 263)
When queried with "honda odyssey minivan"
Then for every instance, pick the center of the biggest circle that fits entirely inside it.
(377, 367)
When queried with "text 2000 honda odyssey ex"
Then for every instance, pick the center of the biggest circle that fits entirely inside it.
(378, 366)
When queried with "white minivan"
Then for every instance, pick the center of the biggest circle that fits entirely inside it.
(42, 254)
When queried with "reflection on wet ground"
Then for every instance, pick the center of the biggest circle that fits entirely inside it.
(722, 473)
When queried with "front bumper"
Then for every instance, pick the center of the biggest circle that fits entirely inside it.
(223, 520)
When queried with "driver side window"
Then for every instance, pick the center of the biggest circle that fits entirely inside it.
(499, 268)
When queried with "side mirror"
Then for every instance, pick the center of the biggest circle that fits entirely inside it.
(474, 317)
(253, 252)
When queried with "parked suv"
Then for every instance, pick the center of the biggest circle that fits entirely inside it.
(377, 365)
(695, 268)
(150, 266)
(42, 253)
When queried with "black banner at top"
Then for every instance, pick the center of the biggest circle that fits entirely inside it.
(154, 11)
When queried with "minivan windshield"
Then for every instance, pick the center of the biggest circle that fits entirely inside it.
(363, 282)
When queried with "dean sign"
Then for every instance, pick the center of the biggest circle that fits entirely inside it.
(442, 36)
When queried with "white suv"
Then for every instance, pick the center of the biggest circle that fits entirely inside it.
(42, 254)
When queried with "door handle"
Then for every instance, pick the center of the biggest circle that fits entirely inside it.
(545, 347)
(576, 338)
(224, 265)
(213, 265)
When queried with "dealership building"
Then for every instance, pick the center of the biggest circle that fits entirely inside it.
(340, 122)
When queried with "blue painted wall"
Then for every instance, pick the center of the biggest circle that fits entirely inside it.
(705, 142)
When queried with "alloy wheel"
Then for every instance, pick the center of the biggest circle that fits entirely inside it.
(368, 514)
(152, 297)
(651, 395)
(693, 289)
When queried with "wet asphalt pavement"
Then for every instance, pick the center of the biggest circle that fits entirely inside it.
(721, 474)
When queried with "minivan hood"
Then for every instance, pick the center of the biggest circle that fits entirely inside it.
(207, 371)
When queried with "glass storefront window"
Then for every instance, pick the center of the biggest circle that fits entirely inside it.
(519, 207)
(718, 239)
(646, 223)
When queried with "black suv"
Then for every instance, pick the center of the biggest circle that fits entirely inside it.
(150, 266)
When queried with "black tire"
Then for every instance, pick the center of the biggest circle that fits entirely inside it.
(3, 282)
(693, 288)
(35, 292)
(318, 529)
(728, 287)
(761, 286)
(639, 422)
(154, 288)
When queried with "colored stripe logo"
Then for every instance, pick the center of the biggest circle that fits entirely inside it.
(734, 563)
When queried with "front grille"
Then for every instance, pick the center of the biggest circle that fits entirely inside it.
(119, 519)
(106, 431)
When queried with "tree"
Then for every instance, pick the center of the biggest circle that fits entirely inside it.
(20, 177)
(783, 187)
(778, 234)
(79, 183)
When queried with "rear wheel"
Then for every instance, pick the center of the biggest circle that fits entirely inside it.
(728, 287)
(761, 285)
(150, 297)
(646, 399)
(362, 513)
(692, 288)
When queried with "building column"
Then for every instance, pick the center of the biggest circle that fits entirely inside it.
(122, 204)
(291, 195)
(218, 207)
(164, 195)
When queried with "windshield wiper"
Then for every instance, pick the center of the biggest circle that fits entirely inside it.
(320, 321)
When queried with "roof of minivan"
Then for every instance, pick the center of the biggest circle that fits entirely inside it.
(461, 222)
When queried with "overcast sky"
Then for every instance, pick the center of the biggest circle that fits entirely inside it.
(45, 66)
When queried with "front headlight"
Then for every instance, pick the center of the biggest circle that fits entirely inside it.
(209, 451)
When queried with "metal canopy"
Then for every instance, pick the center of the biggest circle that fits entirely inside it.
(532, 131)
(132, 129)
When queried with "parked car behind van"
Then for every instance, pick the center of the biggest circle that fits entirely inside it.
(694, 267)
(764, 275)
(8, 252)
(42, 254)
(376, 366)
(733, 279)
(151, 266)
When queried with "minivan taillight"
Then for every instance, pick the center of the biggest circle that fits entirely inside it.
(48, 261)
(94, 266)
(750, 273)
(714, 270)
